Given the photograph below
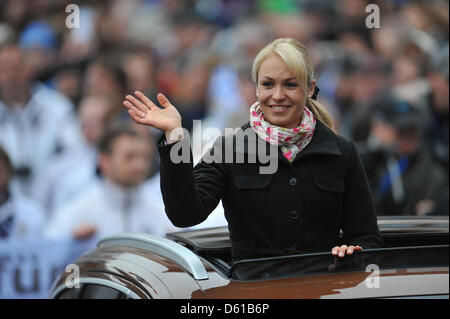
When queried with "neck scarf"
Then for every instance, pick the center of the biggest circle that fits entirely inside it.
(291, 141)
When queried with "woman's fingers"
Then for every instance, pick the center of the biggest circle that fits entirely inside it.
(143, 111)
(335, 250)
(142, 104)
(131, 107)
(145, 100)
(138, 117)
(163, 100)
(351, 249)
(134, 104)
(139, 108)
(341, 251)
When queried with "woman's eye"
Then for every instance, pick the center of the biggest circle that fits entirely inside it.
(291, 85)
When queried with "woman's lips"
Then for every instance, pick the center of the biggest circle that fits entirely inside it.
(279, 108)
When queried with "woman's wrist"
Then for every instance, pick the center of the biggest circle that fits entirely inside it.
(174, 135)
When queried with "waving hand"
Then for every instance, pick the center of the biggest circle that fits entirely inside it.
(143, 111)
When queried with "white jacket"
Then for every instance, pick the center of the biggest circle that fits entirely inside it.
(111, 209)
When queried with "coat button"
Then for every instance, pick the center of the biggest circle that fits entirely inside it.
(292, 181)
(294, 214)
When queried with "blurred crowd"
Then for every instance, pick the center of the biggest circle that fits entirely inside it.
(72, 164)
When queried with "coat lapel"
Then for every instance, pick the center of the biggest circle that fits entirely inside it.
(324, 142)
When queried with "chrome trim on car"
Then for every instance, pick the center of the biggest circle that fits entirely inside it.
(160, 246)
(402, 224)
(96, 281)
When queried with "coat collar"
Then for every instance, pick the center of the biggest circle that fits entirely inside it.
(324, 142)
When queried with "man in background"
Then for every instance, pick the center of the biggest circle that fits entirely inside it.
(117, 201)
(20, 217)
(405, 177)
(36, 121)
(68, 173)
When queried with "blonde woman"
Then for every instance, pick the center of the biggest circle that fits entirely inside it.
(318, 199)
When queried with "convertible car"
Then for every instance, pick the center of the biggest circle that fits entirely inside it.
(196, 265)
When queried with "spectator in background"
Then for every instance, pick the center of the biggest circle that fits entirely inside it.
(405, 178)
(38, 43)
(104, 76)
(35, 120)
(363, 79)
(68, 82)
(20, 218)
(248, 97)
(117, 201)
(139, 66)
(230, 88)
(67, 174)
(437, 131)
(191, 90)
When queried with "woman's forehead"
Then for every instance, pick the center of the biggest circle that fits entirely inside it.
(274, 67)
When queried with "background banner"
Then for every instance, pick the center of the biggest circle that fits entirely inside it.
(28, 268)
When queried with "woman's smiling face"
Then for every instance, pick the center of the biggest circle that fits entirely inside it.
(280, 96)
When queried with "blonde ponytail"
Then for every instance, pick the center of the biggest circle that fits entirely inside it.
(320, 113)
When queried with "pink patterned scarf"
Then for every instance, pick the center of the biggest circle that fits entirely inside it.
(291, 141)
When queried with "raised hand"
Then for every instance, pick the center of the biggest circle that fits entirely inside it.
(143, 111)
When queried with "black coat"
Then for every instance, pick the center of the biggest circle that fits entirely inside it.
(320, 200)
